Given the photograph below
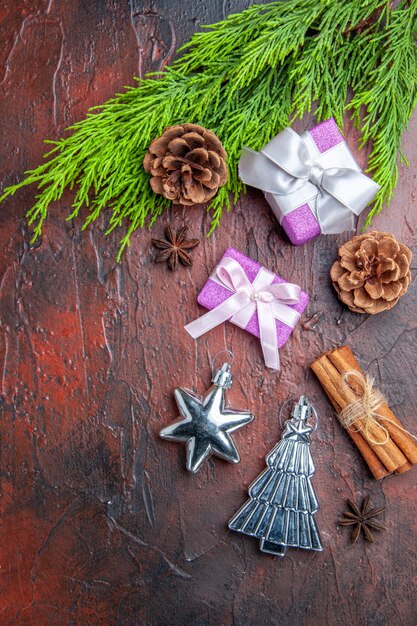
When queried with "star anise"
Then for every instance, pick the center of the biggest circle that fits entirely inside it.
(362, 519)
(175, 248)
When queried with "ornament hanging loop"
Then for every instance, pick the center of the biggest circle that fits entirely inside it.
(316, 418)
(284, 406)
(225, 351)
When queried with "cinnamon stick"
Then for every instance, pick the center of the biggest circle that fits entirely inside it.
(388, 453)
(377, 468)
(399, 452)
(345, 361)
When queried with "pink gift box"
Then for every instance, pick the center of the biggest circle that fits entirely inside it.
(312, 182)
(301, 225)
(214, 294)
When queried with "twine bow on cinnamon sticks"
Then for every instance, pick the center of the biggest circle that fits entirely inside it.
(365, 407)
(363, 411)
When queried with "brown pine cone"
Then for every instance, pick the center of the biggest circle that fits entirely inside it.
(187, 164)
(372, 273)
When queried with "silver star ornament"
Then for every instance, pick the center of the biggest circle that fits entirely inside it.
(206, 423)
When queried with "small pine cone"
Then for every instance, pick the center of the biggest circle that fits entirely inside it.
(187, 164)
(372, 273)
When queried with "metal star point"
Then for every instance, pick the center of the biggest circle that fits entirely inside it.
(206, 426)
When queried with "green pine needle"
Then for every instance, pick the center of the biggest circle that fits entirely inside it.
(245, 78)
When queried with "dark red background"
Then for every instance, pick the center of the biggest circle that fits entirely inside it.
(100, 522)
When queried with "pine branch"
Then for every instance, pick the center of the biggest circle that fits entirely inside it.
(244, 78)
(387, 91)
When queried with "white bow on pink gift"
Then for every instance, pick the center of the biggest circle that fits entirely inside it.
(269, 300)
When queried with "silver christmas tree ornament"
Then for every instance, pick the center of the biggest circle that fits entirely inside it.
(206, 423)
(280, 510)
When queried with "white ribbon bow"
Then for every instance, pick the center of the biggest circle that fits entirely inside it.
(270, 301)
(292, 172)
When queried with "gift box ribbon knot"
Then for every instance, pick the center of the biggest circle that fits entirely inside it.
(271, 301)
(291, 168)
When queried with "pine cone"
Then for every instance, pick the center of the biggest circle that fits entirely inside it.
(372, 273)
(187, 164)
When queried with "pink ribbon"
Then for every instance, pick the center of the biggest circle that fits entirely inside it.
(270, 301)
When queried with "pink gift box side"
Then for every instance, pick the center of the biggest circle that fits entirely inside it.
(326, 135)
(214, 294)
(301, 225)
